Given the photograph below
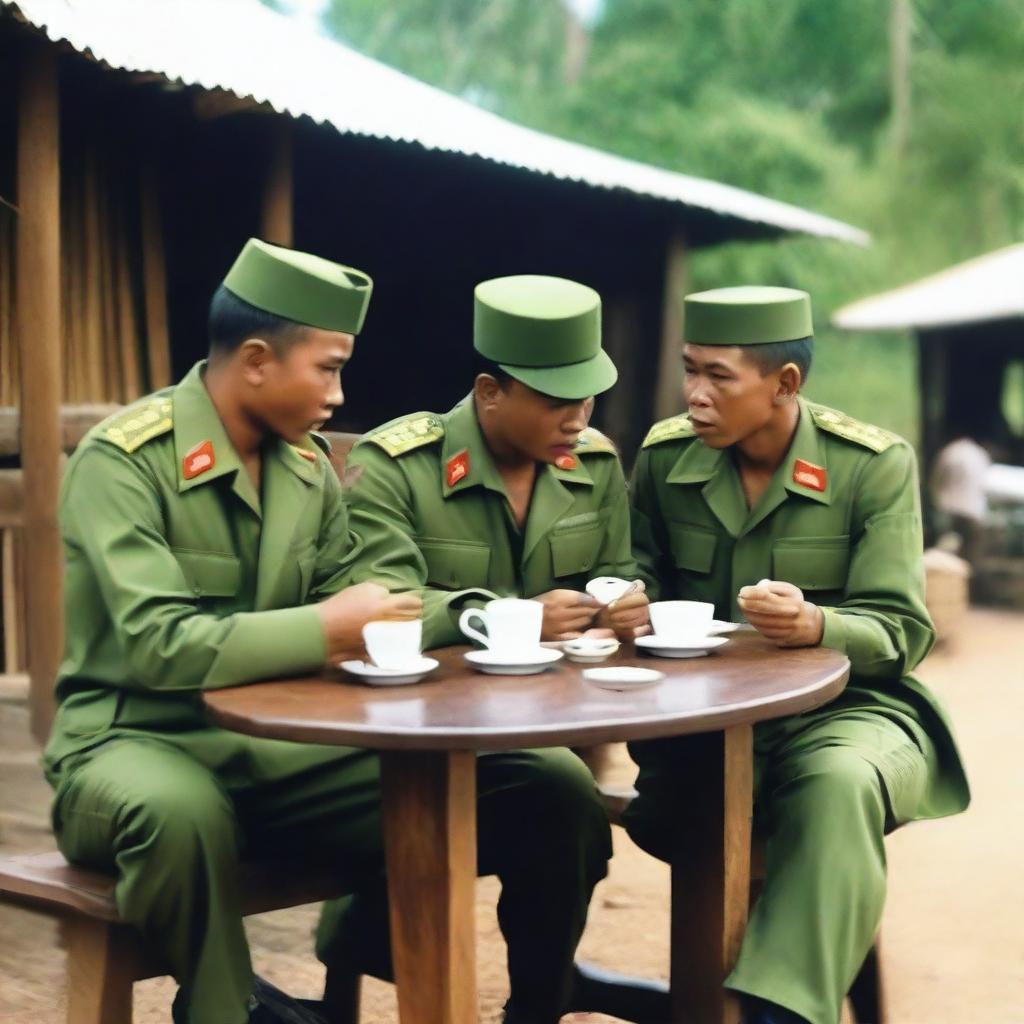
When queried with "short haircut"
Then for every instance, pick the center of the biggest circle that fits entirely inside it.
(774, 355)
(481, 364)
(232, 320)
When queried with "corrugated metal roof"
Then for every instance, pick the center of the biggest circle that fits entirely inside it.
(249, 50)
(990, 287)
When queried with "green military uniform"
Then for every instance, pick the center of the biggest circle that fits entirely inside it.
(428, 503)
(458, 541)
(430, 513)
(180, 578)
(840, 519)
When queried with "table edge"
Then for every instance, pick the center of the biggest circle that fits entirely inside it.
(643, 727)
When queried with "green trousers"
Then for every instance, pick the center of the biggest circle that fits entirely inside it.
(828, 786)
(173, 814)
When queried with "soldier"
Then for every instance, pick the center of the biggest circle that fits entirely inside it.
(807, 523)
(508, 494)
(205, 539)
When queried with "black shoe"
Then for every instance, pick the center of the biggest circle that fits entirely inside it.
(276, 1007)
(760, 1011)
(641, 1000)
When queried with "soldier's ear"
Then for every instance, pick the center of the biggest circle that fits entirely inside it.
(790, 379)
(254, 356)
(487, 390)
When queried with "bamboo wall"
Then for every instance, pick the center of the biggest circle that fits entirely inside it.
(114, 344)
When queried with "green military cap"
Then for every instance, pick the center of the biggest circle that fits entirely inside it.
(747, 316)
(545, 332)
(301, 287)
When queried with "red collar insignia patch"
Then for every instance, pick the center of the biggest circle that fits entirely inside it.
(808, 475)
(307, 454)
(566, 462)
(198, 460)
(458, 467)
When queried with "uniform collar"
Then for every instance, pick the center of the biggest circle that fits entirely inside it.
(463, 439)
(723, 492)
(198, 424)
(551, 499)
(809, 448)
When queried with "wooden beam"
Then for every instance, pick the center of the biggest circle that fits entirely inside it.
(711, 875)
(38, 329)
(430, 847)
(277, 221)
(668, 389)
(75, 422)
(12, 499)
(154, 280)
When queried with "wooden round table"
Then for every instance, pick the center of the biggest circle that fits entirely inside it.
(429, 733)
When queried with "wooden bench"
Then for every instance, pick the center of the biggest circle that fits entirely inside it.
(106, 956)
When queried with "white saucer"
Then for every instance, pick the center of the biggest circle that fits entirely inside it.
(662, 647)
(411, 673)
(623, 677)
(719, 627)
(589, 651)
(526, 664)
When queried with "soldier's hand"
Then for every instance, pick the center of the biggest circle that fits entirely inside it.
(629, 616)
(779, 612)
(345, 613)
(566, 614)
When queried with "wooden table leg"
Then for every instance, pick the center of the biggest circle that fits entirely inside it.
(430, 844)
(711, 874)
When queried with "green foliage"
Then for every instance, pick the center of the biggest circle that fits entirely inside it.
(791, 99)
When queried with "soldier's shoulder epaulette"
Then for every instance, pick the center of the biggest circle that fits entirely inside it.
(407, 433)
(865, 434)
(321, 442)
(677, 428)
(593, 442)
(131, 428)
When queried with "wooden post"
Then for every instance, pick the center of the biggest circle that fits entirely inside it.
(711, 875)
(430, 849)
(277, 223)
(38, 312)
(668, 387)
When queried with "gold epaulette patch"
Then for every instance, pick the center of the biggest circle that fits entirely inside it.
(131, 429)
(678, 427)
(593, 442)
(866, 434)
(409, 432)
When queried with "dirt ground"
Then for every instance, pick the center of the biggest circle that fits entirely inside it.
(952, 938)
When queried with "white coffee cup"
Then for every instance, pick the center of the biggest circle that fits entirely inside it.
(513, 625)
(681, 620)
(393, 644)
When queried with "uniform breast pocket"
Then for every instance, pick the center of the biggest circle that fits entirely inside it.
(693, 547)
(575, 549)
(210, 574)
(812, 563)
(455, 564)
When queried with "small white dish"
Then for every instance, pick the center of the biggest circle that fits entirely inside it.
(525, 664)
(623, 677)
(413, 672)
(664, 647)
(590, 650)
(608, 588)
(719, 627)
